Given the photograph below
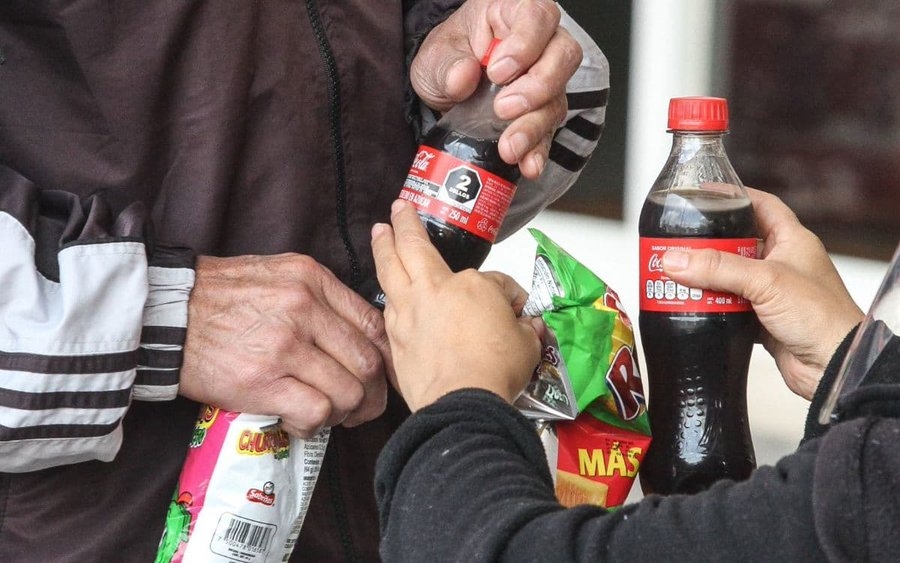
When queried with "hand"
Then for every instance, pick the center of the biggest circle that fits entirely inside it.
(802, 303)
(281, 335)
(449, 331)
(535, 60)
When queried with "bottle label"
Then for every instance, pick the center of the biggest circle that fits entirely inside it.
(458, 192)
(661, 294)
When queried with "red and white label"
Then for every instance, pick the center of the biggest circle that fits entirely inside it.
(458, 192)
(660, 293)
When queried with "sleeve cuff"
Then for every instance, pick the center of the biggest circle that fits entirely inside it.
(171, 279)
(813, 429)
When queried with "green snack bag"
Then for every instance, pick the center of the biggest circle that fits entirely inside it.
(590, 344)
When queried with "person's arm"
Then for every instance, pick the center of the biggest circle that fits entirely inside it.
(466, 479)
(93, 315)
(557, 102)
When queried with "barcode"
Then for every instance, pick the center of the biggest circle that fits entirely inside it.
(242, 539)
(250, 535)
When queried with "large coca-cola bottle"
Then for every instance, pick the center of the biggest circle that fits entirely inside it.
(697, 343)
(458, 183)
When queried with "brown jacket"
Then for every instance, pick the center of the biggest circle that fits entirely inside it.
(244, 128)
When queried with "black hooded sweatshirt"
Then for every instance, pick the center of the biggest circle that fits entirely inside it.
(466, 479)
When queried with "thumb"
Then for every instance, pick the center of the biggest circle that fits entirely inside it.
(717, 271)
(446, 70)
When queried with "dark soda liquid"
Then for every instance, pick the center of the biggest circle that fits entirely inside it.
(697, 363)
(460, 248)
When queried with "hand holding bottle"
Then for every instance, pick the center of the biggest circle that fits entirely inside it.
(800, 300)
(536, 60)
(448, 330)
(458, 182)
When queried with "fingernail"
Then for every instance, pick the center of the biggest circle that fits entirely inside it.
(503, 70)
(675, 260)
(510, 107)
(538, 162)
(378, 229)
(397, 206)
(519, 144)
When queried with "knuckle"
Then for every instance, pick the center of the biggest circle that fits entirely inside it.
(372, 323)
(305, 268)
(316, 413)
(413, 240)
(374, 406)
(355, 396)
(470, 277)
(305, 262)
(370, 365)
(570, 51)
(764, 287)
(546, 11)
(281, 341)
(298, 297)
(561, 109)
(713, 259)
(352, 398)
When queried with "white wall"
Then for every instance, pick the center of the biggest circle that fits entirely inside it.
(671, 57)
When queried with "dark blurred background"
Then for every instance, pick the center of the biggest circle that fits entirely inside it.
(814, 94)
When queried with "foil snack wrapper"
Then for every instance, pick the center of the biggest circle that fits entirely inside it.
(586, 395)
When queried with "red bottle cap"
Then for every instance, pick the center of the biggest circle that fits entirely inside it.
(487, 55)
(698, 114)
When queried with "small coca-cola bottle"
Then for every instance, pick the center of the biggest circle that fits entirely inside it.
(697, 343)
(458, 183)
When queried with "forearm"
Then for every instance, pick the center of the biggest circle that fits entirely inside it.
(85, 303)
(473, 468)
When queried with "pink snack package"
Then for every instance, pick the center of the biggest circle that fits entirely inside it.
(243, 491)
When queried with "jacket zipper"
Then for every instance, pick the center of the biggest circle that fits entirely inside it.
(334, 119)
(331, 470)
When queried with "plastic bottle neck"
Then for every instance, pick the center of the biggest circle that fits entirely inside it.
(699, 143)
(475, 116)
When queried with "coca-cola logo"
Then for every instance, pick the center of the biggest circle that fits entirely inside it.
(655, 263)
(422, 159)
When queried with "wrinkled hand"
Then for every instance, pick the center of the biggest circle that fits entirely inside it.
(449, 331)
(281, 335)
(802, 303)
(534, 60)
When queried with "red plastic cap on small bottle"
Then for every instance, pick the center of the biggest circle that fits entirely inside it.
(698, 114)
(490, 50)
